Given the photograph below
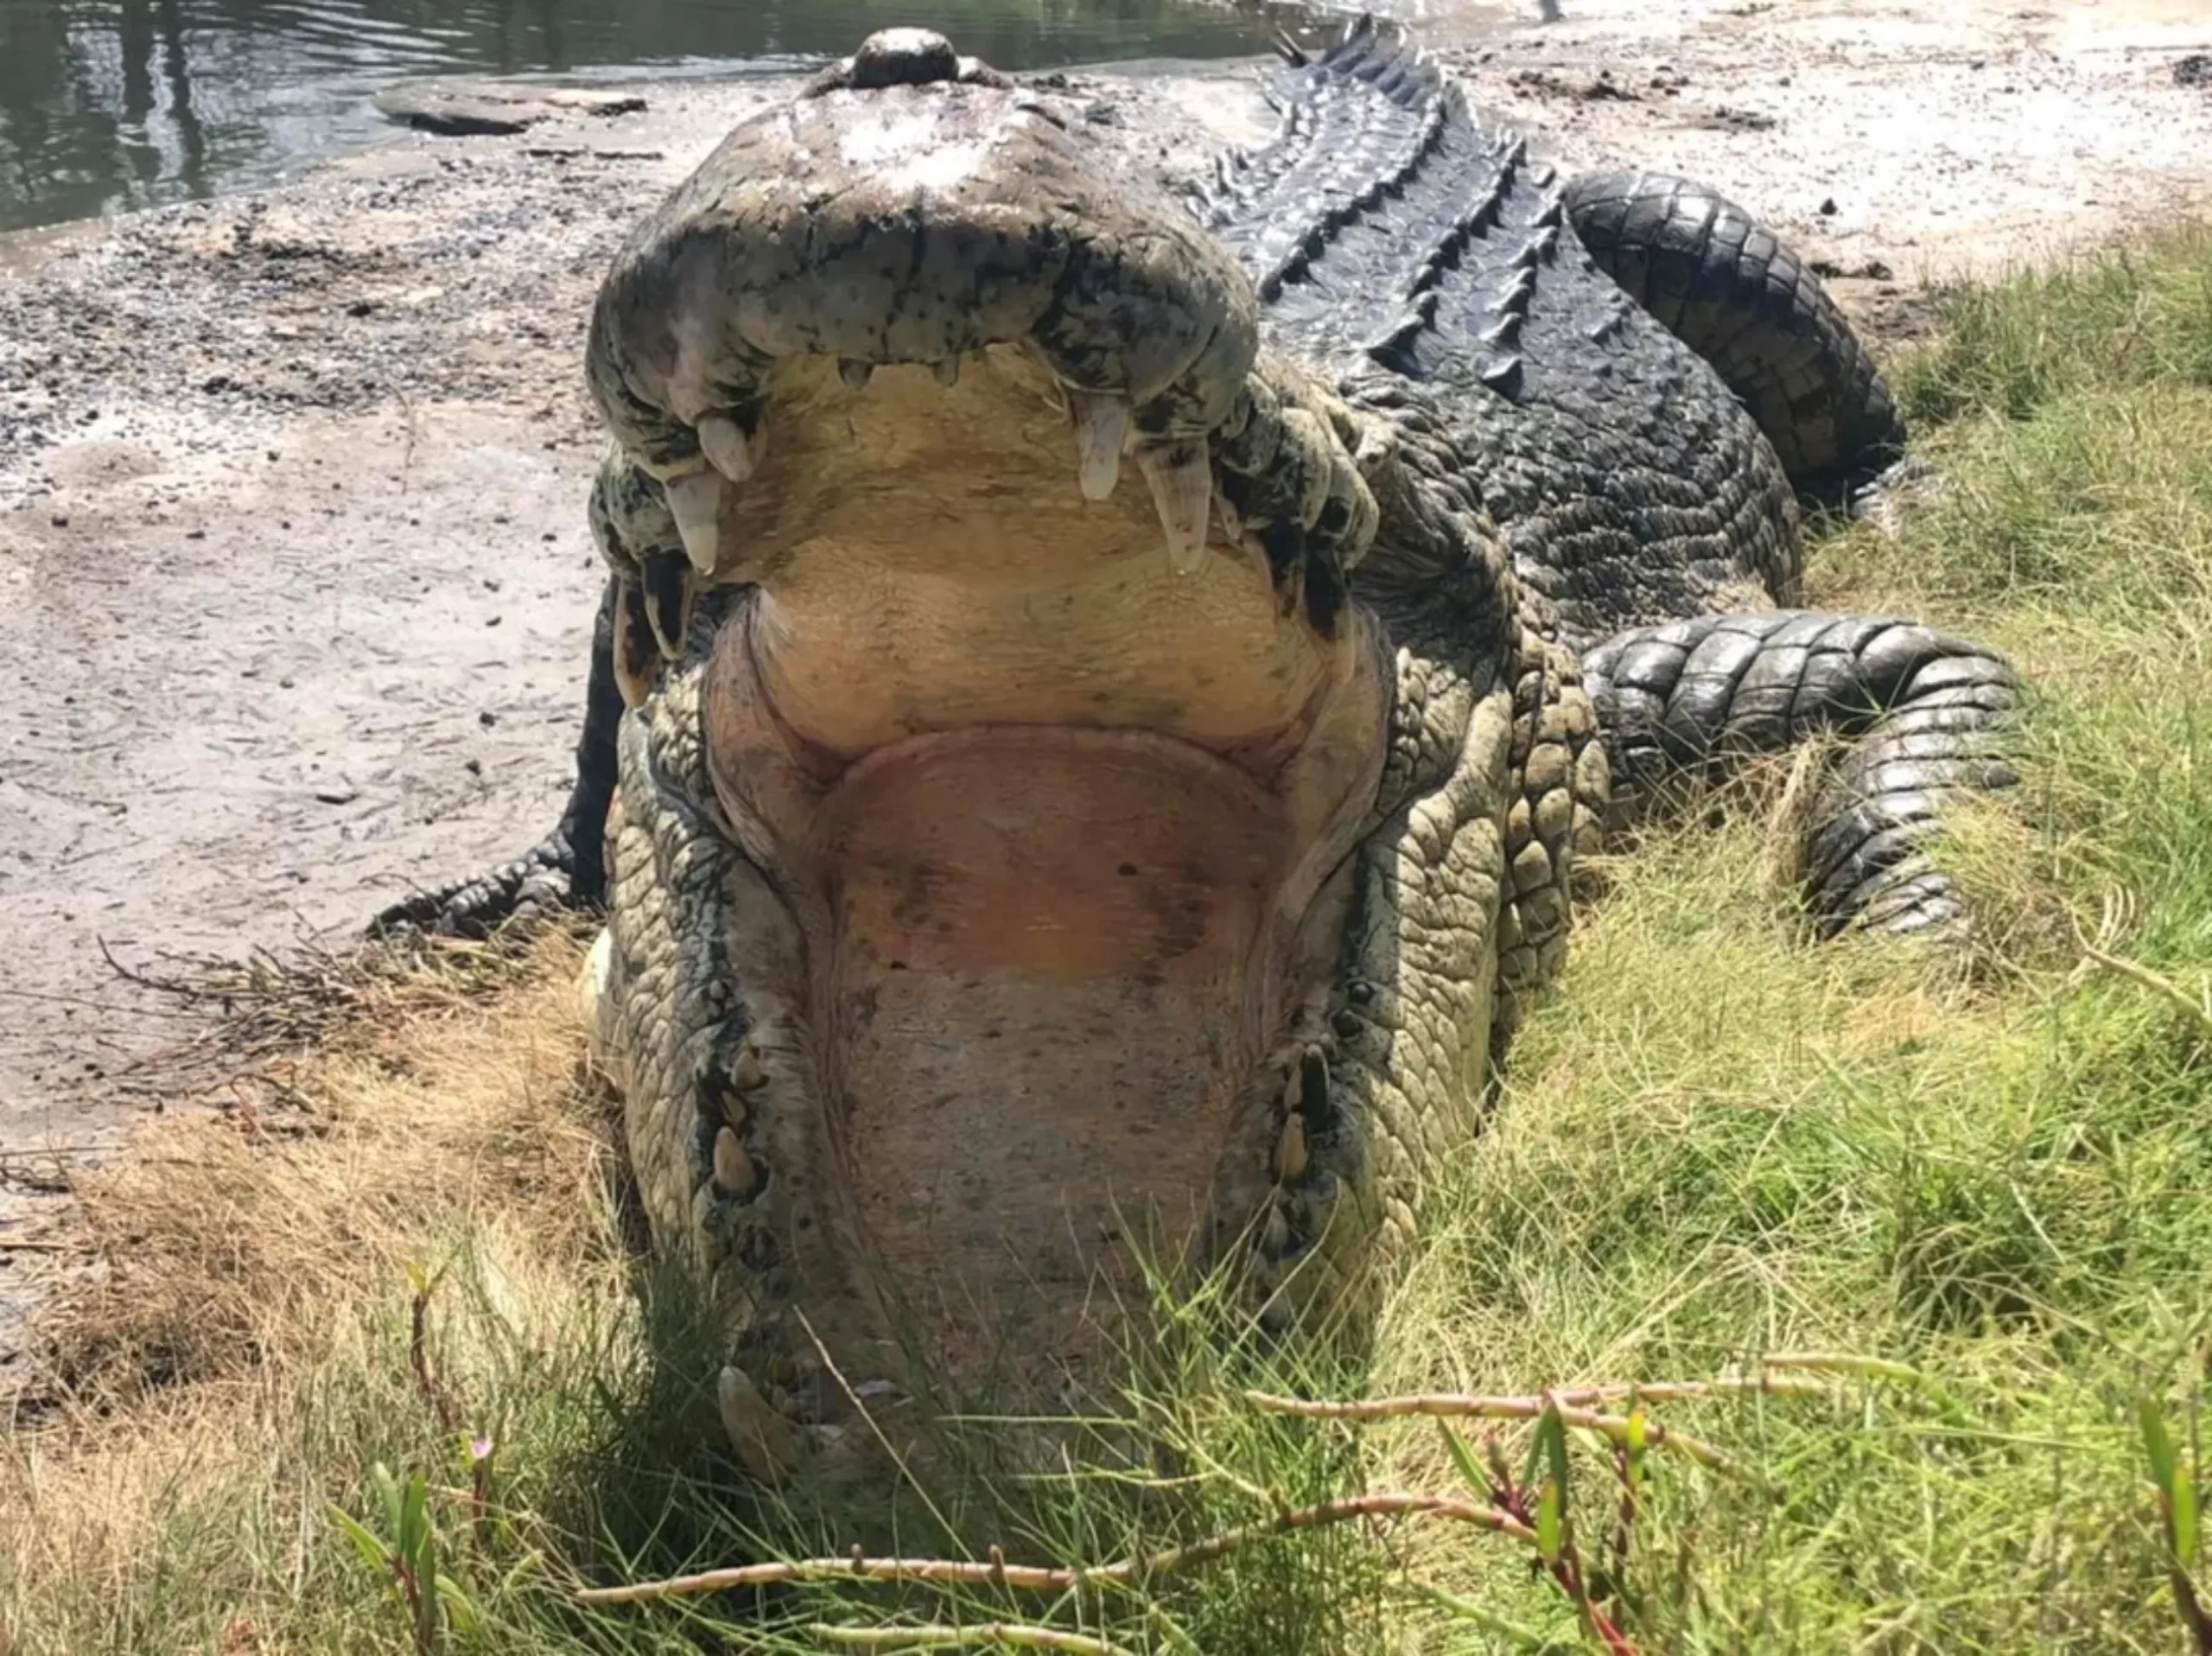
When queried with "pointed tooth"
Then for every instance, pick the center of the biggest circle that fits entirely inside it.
(668, 588)
(745, 1071)
(636, 667)
(1231, 525)
(855, 372)
(1290, 1149)
(767, 1443)
(946, 370)
(1182, 488)
(1102, 426)
(732, 1167)
(696, 503)
(726, 448)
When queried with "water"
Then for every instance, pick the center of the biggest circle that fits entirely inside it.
(107, 105)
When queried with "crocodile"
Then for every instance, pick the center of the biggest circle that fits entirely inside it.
(1101, 688)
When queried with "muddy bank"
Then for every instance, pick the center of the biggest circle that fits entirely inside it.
(293, 564)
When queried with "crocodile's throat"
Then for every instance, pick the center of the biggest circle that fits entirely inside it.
(1050, 816)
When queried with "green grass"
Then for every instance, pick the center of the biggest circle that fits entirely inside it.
(1718, 1141)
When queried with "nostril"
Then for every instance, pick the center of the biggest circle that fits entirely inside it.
(903, 57)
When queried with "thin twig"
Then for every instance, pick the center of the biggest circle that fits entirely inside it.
(1044, 1579)
(1004, 1634)
(2198, 1012)
(175, 986)
(88, 1003)
(31, 1244)
(1454, 1406)
(418, 1357)
(1573, 1397)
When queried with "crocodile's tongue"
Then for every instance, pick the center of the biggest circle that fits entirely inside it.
(1040, 945)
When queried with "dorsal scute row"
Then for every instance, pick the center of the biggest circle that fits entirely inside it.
(1385, 217)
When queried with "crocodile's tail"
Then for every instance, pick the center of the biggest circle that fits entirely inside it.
(1735, 292)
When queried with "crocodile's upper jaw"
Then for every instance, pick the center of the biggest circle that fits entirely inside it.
(1047, 772)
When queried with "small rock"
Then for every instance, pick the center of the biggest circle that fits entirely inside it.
(1741, 120)
(1865, 270)
(474, 766)
(337, 795)
(2194, 70)
(487, 718)
(459, 110)
(1827, 208)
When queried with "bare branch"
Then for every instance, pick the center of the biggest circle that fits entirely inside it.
(1044, 1579)
(1457, 1405)
(1005, 1634)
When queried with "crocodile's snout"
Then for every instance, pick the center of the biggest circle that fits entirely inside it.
(916, 208)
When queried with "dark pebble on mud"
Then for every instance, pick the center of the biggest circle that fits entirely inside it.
(487, 718)
(337, 795)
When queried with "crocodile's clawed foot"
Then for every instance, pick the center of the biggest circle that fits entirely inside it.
(1891, 495)
(536, 884)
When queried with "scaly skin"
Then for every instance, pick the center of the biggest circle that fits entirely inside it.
(993, 891)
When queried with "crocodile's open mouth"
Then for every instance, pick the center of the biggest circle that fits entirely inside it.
(1050, 809)
(1042, 708)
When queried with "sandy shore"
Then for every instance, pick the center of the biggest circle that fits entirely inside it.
(292, 553)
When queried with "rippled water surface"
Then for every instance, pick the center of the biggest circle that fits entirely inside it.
(109, 105)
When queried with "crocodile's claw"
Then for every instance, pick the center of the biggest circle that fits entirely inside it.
(541, 881)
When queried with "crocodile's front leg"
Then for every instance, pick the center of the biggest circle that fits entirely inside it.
(1927, 714)
(566, 869)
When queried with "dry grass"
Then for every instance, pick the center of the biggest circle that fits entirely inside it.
(225, 1240)
(254, 1264)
